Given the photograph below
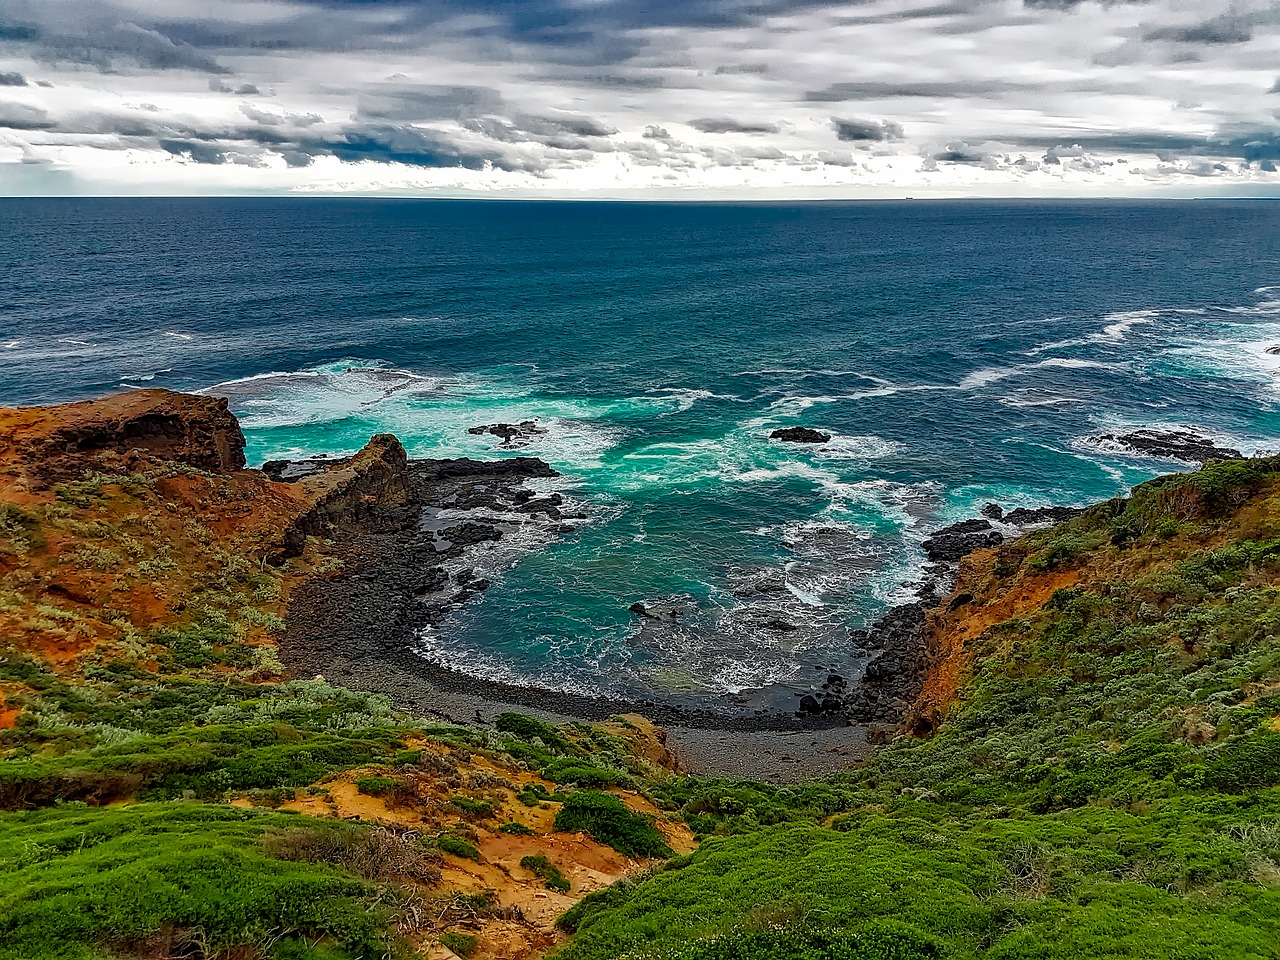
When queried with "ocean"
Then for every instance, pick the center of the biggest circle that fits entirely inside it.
(958, 353)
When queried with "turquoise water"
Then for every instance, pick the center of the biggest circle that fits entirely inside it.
(958, 353)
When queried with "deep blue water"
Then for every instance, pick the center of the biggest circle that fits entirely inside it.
(960, 352)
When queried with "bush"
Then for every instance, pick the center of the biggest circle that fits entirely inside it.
(607, 820)
(376, 786)
(544, 869)
(463, 944)
(78, 878)
(477, 809)
(457, 847)
(375, 853)
(527, 728)
(516, 829)
(873, 942)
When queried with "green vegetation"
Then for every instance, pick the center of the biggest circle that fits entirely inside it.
(463, 944)
(121, 734)
(472, 808)
(81, 883)
(607, 820)
(457, 847)
(547, 871)
(376, 786)
(1107, 785)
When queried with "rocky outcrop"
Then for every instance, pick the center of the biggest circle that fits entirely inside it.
(1184, 445)
(49, 444)
(512, 434)
(799, 435)
(960, 539)
(368, 491)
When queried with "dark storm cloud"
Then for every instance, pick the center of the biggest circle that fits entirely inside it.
(866, 130)
(1250, 145)
(110, 47)
(729, 125)
(12, 80)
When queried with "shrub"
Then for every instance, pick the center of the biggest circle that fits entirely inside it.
(516, 829)
(463, 944)
(607, 820)
(78, 878)
(527, 728)
(457, 847)
(374, 853)
(547, 871)
(477, 809)
(376, 786)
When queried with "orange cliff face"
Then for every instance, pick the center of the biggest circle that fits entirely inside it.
(133, 513)
(984, 596)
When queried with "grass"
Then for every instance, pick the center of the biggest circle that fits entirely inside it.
(78, 881)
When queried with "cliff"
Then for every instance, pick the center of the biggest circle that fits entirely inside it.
(42, 445)
(145, 576)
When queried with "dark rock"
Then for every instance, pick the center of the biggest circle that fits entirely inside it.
(1274, 350)
(784, 626)
(657, 611)
(466, 467)
(993, 511)
(961, 539)
(799, 435)
(469, 533)
(1022, 517)
(809, 704)
(1184, 445)
(512, 434)
(479, 584)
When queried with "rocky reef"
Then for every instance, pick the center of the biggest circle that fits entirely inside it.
(1187, 446)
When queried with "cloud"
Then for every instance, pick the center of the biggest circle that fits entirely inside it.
(891, 89)
(1042, 94)
(243, 90)
(1219, 30)
(112, 47)
(12, 80)
(429, 102)
(729, 125)
(742, 68)
(866, 130)
(20, 116)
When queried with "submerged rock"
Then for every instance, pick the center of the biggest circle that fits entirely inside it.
(657, 611)
(799, 435)
(512, 434)
(1184, 445)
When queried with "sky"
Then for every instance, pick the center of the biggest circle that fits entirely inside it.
(734, 99)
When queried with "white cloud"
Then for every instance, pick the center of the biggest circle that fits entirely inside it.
(873, 98)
